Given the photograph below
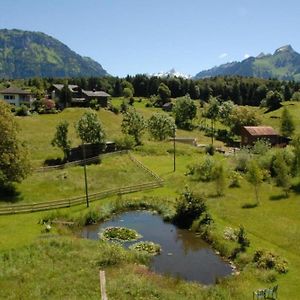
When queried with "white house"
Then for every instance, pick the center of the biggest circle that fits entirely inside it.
(16, 96)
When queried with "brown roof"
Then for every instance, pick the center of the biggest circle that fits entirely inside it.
(95, 93)
(260, 130)
(14, 90)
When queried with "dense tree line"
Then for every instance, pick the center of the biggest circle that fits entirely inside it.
(241, 90)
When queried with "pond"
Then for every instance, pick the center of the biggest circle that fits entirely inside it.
(184, 254)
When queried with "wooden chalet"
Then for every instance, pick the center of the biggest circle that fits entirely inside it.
(80, 97)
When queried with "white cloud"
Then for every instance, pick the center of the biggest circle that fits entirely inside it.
(223, 55)
(246, 55)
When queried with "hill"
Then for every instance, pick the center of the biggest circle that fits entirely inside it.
(284, 64)
(25, 54)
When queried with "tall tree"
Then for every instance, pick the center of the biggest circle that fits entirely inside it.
(273, 100)
(185, 111)
(14, 161)
(61, 140)
(89, 128)
(161, 126)
(164, 93)
(133, 124)
(287, 126)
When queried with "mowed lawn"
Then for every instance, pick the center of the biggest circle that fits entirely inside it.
(113, 172)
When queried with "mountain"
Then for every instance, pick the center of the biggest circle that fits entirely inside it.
(283, 64)
(25, 54)
(171, 73)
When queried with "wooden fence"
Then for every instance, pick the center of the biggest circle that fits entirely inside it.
(63, 203)
(79, 162)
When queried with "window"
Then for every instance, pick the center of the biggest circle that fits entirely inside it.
(9, 97)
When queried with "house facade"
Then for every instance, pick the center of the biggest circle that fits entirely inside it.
(251, 134)
(80, 97)
(16, 96)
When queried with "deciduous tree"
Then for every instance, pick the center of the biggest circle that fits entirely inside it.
(185, 111)
(133, 124)
(14, 161)
(61, 140)
(161, 126)
(89, 128)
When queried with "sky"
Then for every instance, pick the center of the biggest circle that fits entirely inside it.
(149, 36)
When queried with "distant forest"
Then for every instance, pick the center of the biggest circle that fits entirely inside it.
(241, 90)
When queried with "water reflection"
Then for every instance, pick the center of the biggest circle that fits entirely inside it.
(183, 255)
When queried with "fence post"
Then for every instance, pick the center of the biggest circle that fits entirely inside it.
(102, 285)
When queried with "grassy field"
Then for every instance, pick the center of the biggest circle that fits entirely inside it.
(69, 182)
(51, 267)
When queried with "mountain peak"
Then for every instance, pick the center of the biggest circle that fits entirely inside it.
(286, 48)
(25, 54)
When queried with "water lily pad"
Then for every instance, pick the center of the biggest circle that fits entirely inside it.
(149, 247)
(121, 234)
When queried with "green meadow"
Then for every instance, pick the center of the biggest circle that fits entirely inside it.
(59, 265)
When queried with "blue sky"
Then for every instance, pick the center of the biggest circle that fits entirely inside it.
(148, 36)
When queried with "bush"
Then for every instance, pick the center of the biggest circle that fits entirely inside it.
(22, 111)
(269, 260)
(189, 207)
(210, 149)
(114, 109)
(241, 160)
(235, 179)
(127, 142)
(94, 104)
(203, 171)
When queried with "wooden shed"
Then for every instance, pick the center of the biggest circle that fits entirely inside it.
(250, 134)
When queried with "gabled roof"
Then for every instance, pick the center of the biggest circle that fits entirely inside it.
(260, 130)
(70, 86)
(14, 90)
(95, 93)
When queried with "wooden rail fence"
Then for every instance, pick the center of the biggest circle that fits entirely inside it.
(63, 203)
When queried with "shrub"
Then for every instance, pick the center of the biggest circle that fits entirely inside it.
(94, 104)
(261, 147)
(210, 149)
(203, 171)
(114, 109)
(127, 142)
(269, 260)
(22, 111)
(241, 160)
(235, 178)
(189, 207)
(242, 239)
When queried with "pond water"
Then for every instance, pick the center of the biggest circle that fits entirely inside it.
(183, 255)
